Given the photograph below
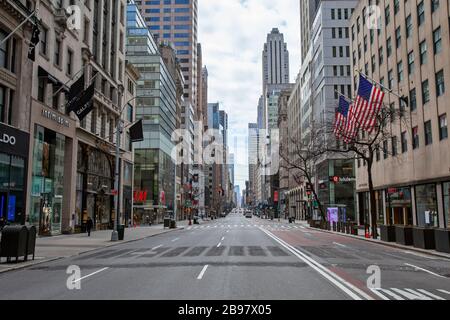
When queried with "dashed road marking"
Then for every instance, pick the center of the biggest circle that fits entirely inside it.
(425, 270)
(202, 273)
(90, 275)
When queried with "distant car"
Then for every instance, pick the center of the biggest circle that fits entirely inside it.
(248, 215)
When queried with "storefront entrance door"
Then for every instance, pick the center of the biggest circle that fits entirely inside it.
(45, 222)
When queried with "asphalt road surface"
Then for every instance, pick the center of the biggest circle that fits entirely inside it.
(238, 258)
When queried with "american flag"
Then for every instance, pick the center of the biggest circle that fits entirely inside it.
(368, 104)
(341, 117)
(350, 126)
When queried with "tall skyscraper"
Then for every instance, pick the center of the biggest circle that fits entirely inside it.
(253, 135)
(204, 93)
(275, 59)
(307, 13)
(176, 21)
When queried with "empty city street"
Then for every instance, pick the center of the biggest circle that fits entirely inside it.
(237, 258)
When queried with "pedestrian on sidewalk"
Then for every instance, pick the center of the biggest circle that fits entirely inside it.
(89, 225)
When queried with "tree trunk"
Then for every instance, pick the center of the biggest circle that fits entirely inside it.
(316, 197)
(373, 208)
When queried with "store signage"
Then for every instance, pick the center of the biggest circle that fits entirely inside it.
(275, 196)
(140, 196)
(14, 141)
(4, 138)
(55, 117)
(337, 179)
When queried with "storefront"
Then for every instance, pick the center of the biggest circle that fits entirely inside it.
(446, 194)
(399, 206)
(427, 205)
(14, 148)
(94, 188)
(127, 193)
(47, 184)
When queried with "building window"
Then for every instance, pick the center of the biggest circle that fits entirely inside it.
(423, 52)
(437, 41)
(426, 204)
(57, 56)
(398, 37)
(387, 15)
(443, 130)
(421, 13)
(440, 85)
(413, 99)
(425, 92)
(389, 47)
(434, 5)
(404, 142)
(43, 40)
(400, 71)
(380, 56)
(394, 146)
(390, 79)
(428, 133)
(409, 26)
(415, 138)
(69, 62)
(385, 149)
(41, 89)
(411, 65)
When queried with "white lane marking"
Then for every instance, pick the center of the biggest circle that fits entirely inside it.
(223, 238)
(90, 275)
(215, 226)
(189, 228)
(301, 227)
(420, 255)
(175, 239)
(295, 227)
(200, 276)
(378, 293)
(342, 284)
(430, 294)
(425, 270)
(219, 244)
(339, 244)
(157, 247)
(228, 231)
(443, 291)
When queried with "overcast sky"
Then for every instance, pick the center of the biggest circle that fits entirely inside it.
(232, 34)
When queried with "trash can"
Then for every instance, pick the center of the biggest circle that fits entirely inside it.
(121, 231)
(14, 242)
(31, 241)
(173, 224)
(166, 222)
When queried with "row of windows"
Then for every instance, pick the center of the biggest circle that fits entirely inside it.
(158, 2)
(168, 10)
(341, 52)
(169, 27)
(341, 13)
(428, 139)
(340, 32)
(168, 19)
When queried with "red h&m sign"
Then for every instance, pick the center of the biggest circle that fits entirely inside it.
(140, 196)
(275, 196)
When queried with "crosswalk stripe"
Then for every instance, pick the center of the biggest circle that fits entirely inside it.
(378, 293)
(444, 291)
(410, 295)
(389, 292)
(430, 294)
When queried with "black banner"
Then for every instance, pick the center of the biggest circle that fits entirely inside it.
(33, 42)
(137, 132)
(84, 104)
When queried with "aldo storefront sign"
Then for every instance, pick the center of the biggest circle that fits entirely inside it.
(13, 141)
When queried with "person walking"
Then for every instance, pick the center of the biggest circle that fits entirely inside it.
(89, 225)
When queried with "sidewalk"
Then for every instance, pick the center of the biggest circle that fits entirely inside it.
(64, 246)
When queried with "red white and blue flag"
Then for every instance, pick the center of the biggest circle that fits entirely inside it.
(341, 117)
(368, 104)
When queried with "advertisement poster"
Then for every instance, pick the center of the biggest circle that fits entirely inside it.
(333, 215)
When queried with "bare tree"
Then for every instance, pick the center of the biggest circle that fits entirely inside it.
(365, 146)
(302, 159)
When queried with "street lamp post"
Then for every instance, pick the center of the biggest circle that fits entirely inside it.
(119, 129)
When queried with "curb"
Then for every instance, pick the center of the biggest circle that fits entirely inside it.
(384, 243)
(114, 244)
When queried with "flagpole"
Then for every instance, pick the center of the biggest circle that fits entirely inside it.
(384, 87)
(82, 69)
(19, 26)
(343, 95)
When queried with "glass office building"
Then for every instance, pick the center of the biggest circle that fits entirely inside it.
(154, 176)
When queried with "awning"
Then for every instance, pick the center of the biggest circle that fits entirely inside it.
(42, 73)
